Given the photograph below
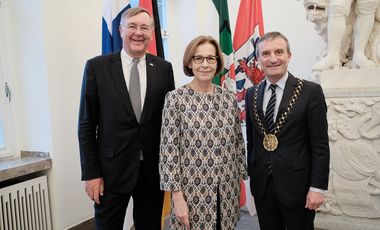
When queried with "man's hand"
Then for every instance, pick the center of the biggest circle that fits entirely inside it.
(94, 188)
(314, 200)
(181, 210)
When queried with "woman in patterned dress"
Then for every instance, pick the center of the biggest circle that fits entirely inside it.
(202, 155)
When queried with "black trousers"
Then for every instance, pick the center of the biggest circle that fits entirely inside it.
(218, 214)
(147, 207)
(273, 215)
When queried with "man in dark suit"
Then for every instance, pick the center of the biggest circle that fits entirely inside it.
(119, 127)
(288, 150)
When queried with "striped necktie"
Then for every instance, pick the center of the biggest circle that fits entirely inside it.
(269, 113)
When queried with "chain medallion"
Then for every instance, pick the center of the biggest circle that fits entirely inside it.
(270, 141)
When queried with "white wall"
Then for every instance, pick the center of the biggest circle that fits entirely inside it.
(50, 40)
(189, 19)
(289, 17)
(72, 32)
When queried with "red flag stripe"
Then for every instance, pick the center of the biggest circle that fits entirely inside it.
(249, 18)
(147, 4)
(250, 13)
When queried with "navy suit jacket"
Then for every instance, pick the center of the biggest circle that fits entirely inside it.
(302, 158)
(110, 138)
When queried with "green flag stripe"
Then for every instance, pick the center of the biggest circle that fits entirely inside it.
(225, 39)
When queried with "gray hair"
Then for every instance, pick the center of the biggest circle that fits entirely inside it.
(270, 36)
(133, 12)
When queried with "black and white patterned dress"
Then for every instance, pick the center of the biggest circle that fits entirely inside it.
(202, 150)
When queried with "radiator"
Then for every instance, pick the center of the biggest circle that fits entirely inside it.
(25, 206)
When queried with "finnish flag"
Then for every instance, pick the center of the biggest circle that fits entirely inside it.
(113, 9)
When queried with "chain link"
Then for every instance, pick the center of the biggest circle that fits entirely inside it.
(284, 115)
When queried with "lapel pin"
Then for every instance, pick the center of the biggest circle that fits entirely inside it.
(151, 64)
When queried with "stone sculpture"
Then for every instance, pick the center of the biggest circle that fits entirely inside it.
(354, 185)
(351, 29)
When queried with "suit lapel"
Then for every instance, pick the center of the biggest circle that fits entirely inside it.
(260, 98)
(117, 76)
(259, 104)
(290, 85)
(150, 73)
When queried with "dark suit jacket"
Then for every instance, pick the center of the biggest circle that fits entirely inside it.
(302, 158)
(110, 138)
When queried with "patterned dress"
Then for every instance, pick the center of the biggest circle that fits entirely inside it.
(202, 154)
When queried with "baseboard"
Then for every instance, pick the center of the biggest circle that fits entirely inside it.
(86, 225)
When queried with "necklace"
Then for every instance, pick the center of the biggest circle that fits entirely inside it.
(270, 141)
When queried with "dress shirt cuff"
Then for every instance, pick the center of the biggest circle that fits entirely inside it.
(316, 190)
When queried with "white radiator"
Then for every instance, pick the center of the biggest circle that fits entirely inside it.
(25, 206)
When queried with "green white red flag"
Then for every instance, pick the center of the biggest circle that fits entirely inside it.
(249, 28)
(227, 77)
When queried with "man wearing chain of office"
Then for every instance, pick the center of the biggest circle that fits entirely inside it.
(287, 141)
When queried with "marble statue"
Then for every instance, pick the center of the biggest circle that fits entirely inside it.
(354, 185)
(351, 29)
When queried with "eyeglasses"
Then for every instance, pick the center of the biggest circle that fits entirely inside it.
(134, 28)
(200, 59)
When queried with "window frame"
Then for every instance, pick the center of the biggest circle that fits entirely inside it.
(162, 11)
(6, 132)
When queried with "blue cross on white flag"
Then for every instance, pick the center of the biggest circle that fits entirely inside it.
(113, 9)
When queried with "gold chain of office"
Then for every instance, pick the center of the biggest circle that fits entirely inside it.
(270, 140)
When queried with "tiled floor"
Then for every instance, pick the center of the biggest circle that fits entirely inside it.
(246, 222)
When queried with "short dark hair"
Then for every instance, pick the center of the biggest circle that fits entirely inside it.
(133, 12)
(271, 36)
(192, 47)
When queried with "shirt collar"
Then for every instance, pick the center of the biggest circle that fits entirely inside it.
(127, 58)
(281, 83)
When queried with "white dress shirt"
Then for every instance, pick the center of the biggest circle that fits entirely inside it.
(279, 92)
(126, 61)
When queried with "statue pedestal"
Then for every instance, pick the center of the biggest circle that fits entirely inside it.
(353, 199)
(351, 83)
